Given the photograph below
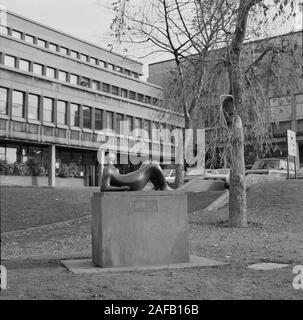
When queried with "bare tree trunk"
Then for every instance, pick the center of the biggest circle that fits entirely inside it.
(179, 179)
(237, 195)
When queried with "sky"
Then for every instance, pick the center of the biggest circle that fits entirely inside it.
(86, 19)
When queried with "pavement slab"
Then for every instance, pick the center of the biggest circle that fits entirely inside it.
(84, 266)
(265, 266)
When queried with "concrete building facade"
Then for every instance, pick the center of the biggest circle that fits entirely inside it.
(60, 97)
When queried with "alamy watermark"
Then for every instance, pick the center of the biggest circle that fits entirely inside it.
(3, 277)
(298, 279)
(178, 144)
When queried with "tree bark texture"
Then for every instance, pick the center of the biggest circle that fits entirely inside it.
(237, 196)
(237, 191)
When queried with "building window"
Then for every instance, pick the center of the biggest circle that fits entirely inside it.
(87, 116)
(109, 120)
(41, 43)
(111, 67)
(64, 50)
(83, 57)
(129, 121)
(62, 76)
(24, 154)
(29, 39)
(138, 123)
(3, 100)
(127, 72)
(77, 157)
(33, 107)
(98, 119)
(102, 64)
(48, 109)
(24, 65)
(146, 126)
(147, 99)
(61, 112)
(18, 104)
(38, 69)
(50, 72)
(74, 114)
(52, 46)
(115, 90)
(35, 154)
(2, 152)
(94, 61)
(17, 34)
(140, 97)
(74, 79)
(124, 93)
(105, 87)
(10, 61)
(11, 153)
(155, 101)
(119, 69)
(65, 156)
(155, 131)
(83, 81)
(74, 54)
(4, 30)
(95, 85)
(132, 95)
(136, 75)
(119, 122)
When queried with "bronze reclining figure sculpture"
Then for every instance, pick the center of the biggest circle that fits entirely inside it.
(112, 180)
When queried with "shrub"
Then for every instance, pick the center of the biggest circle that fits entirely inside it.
(6, 168)
(73, 170)
(21, 169)
(30, 168)
(63, 171)
(33, 168)
(69, 170)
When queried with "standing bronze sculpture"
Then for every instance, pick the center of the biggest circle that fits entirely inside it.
(112, 180)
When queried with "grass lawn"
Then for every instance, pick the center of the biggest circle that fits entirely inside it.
(23, 208)
(275, 234)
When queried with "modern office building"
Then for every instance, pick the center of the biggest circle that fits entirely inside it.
(57, 92)
(285, 97)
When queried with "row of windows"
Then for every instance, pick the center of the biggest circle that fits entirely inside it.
(16, 153)
(68, 113)
(12, 153)
(63, 50)
(61, 75)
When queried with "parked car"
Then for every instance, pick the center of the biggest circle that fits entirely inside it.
(269, 166)
(272, 166)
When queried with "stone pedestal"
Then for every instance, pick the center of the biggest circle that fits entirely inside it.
(139, 228)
